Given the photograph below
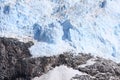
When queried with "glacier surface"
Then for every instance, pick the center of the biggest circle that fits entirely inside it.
(56, 26)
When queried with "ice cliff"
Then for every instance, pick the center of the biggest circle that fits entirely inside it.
(88, 26)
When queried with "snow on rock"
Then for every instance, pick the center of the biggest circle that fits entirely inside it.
(56, 26)
(59, 73)
(89, 62)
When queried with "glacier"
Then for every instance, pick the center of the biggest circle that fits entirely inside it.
(56, 26)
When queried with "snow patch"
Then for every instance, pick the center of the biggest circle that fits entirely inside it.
(59, 73)
(89, 62)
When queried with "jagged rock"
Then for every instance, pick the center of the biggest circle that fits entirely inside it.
(72, 60)
(12, 52)
(16, 63)
(82, 77)
(102, 70)
(42, 65)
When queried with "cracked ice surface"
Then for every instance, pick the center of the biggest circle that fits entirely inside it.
(89, 26)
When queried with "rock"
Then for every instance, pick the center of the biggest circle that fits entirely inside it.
(72, 60)
(102, 70)
(16, 63)
(12, 52)
(82, 77)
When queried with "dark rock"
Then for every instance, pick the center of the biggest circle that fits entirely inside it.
(102, 70)
(12, 52)
(82, 77)
(38, 66)
(103, 76)
(72, 60)
(16, 63)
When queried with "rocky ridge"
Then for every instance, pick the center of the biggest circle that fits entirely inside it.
(16, 63)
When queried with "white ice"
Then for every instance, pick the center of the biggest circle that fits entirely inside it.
(59, 73)
(88, 26)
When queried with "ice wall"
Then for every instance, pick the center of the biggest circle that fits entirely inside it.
(89, 26)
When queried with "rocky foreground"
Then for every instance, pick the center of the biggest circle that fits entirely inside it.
(16, 63)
